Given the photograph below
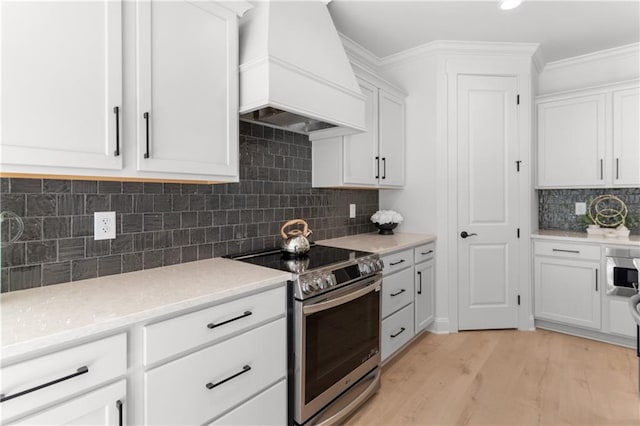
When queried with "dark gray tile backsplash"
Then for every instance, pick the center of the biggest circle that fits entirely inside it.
(556, 207)
(167, 223)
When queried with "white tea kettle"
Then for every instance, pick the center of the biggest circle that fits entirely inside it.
(295, 241)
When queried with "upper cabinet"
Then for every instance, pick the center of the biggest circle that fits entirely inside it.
(61, 84)
(589, 139)
(187, 73)
(371, 159)
(64, 110)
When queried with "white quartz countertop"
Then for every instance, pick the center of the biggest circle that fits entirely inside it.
(377, 243)
(36, 318)
(582, 237)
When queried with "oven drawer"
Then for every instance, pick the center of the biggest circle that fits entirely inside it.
(185, 332)
(268, 408)
(396, 331)
(424, 252)
(90, 364)
(568, 250)
(396, 261)
(397, 291)
(198, 387)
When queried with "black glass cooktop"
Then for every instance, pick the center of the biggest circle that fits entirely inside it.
(317, 257)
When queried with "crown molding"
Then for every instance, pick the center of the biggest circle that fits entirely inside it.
(607, 54)
(359, 54)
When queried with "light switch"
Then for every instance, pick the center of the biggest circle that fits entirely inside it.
(581, 208)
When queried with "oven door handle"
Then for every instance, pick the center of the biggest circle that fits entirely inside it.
(331, 303)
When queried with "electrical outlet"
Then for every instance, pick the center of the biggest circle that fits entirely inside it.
(352, 211)
(581, 208)
(104, 225)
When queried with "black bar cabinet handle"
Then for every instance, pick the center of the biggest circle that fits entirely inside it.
(244, 315)
(617, 168)
(116, 111)
(402, 329)
(377, 167)
(245, 369)
(566, 251)
(596, 279)
(384, 167)
(601, 169)
(420, 282)
(397, 293)
(146, 119)
(424, 253)
(119, 406)
(396, 263)
(82, 370)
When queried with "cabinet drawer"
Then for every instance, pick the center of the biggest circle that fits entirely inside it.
(397, 291)
(396, 261)
(185, 332)
(424, 252)
(102, 360)
(397, 330)
(568, 250)
(268, 409)
(198, 387)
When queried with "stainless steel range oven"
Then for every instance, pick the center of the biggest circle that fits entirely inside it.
(334, 323)
(622, 275)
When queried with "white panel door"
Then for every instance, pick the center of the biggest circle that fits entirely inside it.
(572, 129)
(188, 83)
(424, 304)
(361, 149)
(626, 137)
(61, 80)
(487, 202)
(567, 291)
(104, 406)
(391, 139)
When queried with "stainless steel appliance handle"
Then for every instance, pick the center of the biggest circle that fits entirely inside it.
(321, 306)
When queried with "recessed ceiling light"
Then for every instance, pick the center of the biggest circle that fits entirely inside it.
(509, 4)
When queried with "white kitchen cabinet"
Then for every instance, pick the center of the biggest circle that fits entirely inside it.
(589, 138)
(58, 375)
(104, 406)
(424, 304)
(372, 159)
(266, 409)
(620, 321)
(567, 286)
(61, 80)
(187, 71)
(626, 137)
(397, 330)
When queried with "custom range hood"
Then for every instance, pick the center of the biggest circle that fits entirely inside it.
(294, 72)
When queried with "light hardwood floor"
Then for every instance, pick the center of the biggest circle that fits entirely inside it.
(506, 377)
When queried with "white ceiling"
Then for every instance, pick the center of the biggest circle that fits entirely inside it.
(564, 29)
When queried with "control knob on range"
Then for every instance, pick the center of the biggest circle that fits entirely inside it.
(329, 281)
(306, 287)
(319, 283)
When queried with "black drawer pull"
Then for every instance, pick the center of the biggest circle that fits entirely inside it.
(377, 167)
(81, 370)
(402, 329)
(116, 111)
(397, 293)
(214, 325)
(396, 263)
(424, 253)
(596, 280)
(384, 168)
(119, 406)
(245, 369)
(567, 251)
(420, 287)
(146, 120)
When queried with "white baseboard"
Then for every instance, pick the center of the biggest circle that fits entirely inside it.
(629, 342)
(440, 326)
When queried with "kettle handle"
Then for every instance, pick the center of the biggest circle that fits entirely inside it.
(285, 235)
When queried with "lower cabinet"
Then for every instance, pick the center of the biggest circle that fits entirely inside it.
(424, 304)
(397, 330)
(104, 406)
(266, 409)
(567, 283)
(620, 321)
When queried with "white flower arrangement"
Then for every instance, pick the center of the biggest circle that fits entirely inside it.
(386, 216)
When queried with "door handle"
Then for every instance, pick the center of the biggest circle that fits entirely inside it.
(464, 234)
(378, 167)
(146, 123)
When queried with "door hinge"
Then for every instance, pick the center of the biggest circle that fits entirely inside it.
(518, 232)
(518, 165)
(518, 300)
(518, 100)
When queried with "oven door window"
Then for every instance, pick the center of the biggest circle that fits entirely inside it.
(338, 340)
